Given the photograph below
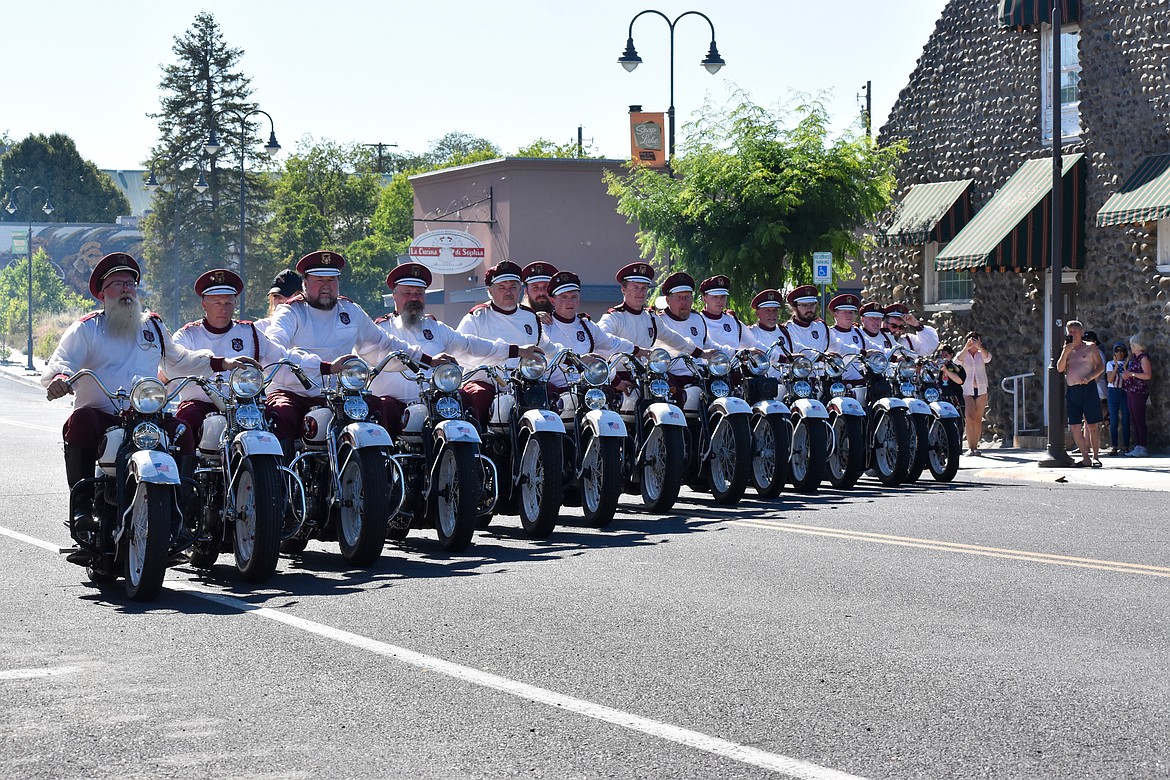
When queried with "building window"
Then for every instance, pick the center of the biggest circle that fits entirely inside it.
(944, 289)
(1070, 82)
(1164, 246)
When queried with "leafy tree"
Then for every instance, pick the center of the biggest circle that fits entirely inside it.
(50, 295)
(544, 148)
(78, 190)
(394, 217)
(203, 82)
(457, 148)
(754, 197)
(367, 262)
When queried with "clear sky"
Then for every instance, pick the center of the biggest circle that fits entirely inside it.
(409, 72)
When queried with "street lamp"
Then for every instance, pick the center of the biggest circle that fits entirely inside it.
(630, 60)
(213, 145)
(12, 209)
(153, 184)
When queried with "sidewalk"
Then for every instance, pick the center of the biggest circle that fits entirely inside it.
(16, 368)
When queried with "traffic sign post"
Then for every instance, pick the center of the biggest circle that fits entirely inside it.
(823, 275)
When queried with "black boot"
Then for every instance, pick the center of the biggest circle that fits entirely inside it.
(79, 465)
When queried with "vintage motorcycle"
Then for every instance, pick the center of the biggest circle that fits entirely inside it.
(348, 486)
(888, 427)
(656, 429)
(903, 375)
(847, 453)
(136, 490)
(771, 427)
(809, 418)
(944, 431)
(719, 440)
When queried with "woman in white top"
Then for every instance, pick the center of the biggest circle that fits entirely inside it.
(974, 359)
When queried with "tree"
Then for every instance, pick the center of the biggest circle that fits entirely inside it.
(754, 198)
(544, 148)
(457, 148)
(50, 296)
(78, 190)
(201, 83)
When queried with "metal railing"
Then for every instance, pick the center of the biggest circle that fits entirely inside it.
(1018, 390)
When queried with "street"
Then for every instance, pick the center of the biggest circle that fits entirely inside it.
(934, 631)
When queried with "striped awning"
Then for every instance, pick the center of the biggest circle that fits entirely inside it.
(1145, 196)
(929, 212)
(1011, 232)
(1030, 14)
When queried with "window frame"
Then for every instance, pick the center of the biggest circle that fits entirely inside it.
(930, 278)
(1070, 120)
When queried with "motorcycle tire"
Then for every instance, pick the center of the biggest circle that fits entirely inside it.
(540, 488)
(363, 508)
(204, 553)
(662, 471)
(259, 517)
(601, 479)
(147, 539)
(944, 443)
(455, 496)
(848, 459)
(731, 461)
(771, 449)
(919, 430)
(891, 447)
(810, 453)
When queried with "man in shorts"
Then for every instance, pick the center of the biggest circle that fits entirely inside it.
(1080, 362)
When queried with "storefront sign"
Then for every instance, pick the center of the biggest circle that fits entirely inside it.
(447, 251)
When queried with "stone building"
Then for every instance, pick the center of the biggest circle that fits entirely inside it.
(976, 117)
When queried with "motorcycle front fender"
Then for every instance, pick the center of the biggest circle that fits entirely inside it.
(918, 406)
(155, 467)
(944, 409)
(541, 421)
(846, 405)
(765, 408)
(666, 414)
(889, 403)
(456, 431)
(605, 423)
(251, 443)
(365, 434)
(810, 408)
(729, 405)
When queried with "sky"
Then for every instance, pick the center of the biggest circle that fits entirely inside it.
(404, 73)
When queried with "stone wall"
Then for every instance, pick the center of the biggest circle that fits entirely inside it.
(972, 110)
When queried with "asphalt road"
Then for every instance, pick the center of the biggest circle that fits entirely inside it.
(961, 631)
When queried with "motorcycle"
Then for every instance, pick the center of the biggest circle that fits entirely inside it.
(809, 418)
(847, 454)
(136, 491)
(903, 373)
(944, 431)
(438, 454)
(771, 428)
(888, 426)
(656, 429)
(722, 420)
(347, 487)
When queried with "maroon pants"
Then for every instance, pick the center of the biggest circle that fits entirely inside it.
(477, 398)
(86, 426)
(193, 413)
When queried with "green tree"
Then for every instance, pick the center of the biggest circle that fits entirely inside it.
(756, 194)
(49, 293)
(78, 190)
(458, 148)
(202, 82)
(544, 148)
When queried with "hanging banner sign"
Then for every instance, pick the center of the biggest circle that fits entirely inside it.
(447, 251)
(648, 138)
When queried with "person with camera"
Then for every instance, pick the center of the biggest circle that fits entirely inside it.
(950, 386)
(1081, 364)
(974, 359)
(1118, 403)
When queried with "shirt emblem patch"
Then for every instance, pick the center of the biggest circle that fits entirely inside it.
(580, 335)
(694, 331)
(148, 334)
(344, 318)
(238, 345)
(813, 333)
(428, 335)
(727, 327)
(528, 329)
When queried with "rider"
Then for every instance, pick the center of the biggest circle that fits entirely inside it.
(873, 336)
(845, 338)
(723, 327)
(535, 277)
(805, 331)
(767, 307)
(120, 344)
(907, 331)
(632, 321)
(575, 332)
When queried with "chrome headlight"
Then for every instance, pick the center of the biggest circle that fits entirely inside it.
(802, 367)
(532, 368)
(659, 388)
(757, 363)
(720, 388)
(906, 370)
(906, 389)
(931, 394)
(719, 364)
(595, 370)
(595, 398)
(354, 374)
(659, 361)
(447, 378)
(249, 417)
(246, 381)
(448, 407)
(356, 408)
(802, 389)
(837, 389)
(147, 436)
(930, 375)
(834, 366)
(876, 362)
(148, 396)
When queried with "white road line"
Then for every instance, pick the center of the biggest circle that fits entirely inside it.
(53, 548)
(29, 425)
(32, 674)
(744, 754)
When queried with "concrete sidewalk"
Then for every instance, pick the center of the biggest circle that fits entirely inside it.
(16, 367)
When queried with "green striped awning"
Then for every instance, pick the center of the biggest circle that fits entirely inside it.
(1145, 196)
(929, 212)
(1011, 232)
(1028, 14)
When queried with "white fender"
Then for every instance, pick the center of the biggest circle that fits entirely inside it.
(213, 427)
(416, 415)
(810, 407)
(918, 406)
(157, 468)
(456, 430)
(694, 398)
(111, 443)
(257, 443)
(944, 409)
(605, 423)
(888, 403)
(666, 414)
(730, 405)
(365, 434)
(765, 408)
(502, 406)
(846, 405)
(321, 418)
(540, 421)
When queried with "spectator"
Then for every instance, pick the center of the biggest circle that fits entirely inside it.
(950, 387)
(1080, 362)
(1135, 377)
(1118, 404)
(974, 359)
(1102, 384)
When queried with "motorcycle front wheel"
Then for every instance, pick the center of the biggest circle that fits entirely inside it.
(891, 447)
(943, 447)
(259, 517)
(540, 483)
(919, 431)
(363, 507)
(147, 539)
(455, 495)
(662, 469)
(848, 458)
(204, 552)
(810, 449)
(601, 479)
(771, 447)
(730, 461)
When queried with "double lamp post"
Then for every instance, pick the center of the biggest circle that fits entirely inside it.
(29, 194)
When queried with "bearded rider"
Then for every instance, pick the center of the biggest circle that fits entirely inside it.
(805, 331)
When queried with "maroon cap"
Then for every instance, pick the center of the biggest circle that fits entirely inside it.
(564, 281)
(767, 298)
(321, 263)
(219, 281)
(678, 282)
(806, 293)
(845, 302)
(111, 264)
(636, 272)
(896, 310)
(716, 285)
(872, 309)
(539, 271)
(506, 271)
(411, 275)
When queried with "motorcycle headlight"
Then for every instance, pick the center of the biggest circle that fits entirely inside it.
(595, 398)
(249, 417)
(720, 388)
(147, 436)
(757, 363)
(448, 408)
(719, 364)
(802, 389)
(906, 389)
(931, 394)
(876, 362)
(533, 368)
(837, 389)
(659, 388)
(659, 361)
(595, 370)
(906, 370)
(246, 381)
(447, 378)
(834, 366)
(802, 367)
(356, 408)
(930, 375)
(148, 396)
(354, 374)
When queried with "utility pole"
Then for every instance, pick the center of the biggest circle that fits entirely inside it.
(868, 113)
(380, 147)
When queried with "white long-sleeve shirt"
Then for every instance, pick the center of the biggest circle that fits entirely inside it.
(643, 329)
(694, 329)
(846, 343)
(923, 343)
(799, 337)
(727, 331)
(519, 326)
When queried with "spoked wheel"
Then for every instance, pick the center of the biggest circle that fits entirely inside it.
(891, 447)
(364, 505)
(662, 471)
(771, 448)
(730, 461)
(540, 483)
(148, 537)
(943, 446)
(919, 427)
(259, 517)
(810, 448)
(601, 478)
(848, 458)
(455, 495)
(205, 551)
